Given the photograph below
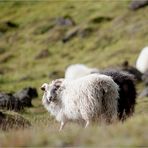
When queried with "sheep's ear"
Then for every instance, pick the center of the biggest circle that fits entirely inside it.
(44, 87)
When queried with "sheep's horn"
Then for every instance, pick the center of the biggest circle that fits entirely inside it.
(59, 81)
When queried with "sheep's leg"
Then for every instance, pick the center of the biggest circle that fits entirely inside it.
(87, 123)
(62, 125)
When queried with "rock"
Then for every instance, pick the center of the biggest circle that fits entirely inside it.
(12, 121)
(43, 54)
(144, 93)
(65, 21)
(9, 102)
(7, 25)
(11, 24)
(70, 34)
(84, 32)
(26, 95)
(137, 4)
(145, 78)
(132, 70)
(61, 22)
(100, 19)
(77, 31)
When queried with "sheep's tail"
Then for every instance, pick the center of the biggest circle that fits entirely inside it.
(109, 102)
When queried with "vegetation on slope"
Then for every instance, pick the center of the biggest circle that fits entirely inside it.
(107, 33)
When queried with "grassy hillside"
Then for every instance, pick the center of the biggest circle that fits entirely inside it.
(108, 33)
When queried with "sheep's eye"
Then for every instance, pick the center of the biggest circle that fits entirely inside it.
(54, 89)
(50, 98)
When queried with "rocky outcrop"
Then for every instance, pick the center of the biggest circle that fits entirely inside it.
(137, 4)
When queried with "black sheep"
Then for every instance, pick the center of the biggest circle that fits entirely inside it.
(9, 102)
(127, 92)
(132, 70)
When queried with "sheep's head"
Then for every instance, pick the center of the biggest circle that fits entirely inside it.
(51, 90)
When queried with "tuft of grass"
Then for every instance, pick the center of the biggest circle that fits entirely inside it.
(12, 120)
(114, 135)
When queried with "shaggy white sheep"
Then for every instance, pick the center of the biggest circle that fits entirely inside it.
(78, 70)
(125, 81)
(142, 61)
(90, 98)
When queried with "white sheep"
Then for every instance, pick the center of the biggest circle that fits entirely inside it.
(142, 61)
(125, 81)
(90, 98)
(78, 70)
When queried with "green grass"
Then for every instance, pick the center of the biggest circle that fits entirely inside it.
(109, 44)
(132, 133)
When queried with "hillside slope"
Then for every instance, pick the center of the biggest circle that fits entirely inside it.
(39, 39)
(109, 33)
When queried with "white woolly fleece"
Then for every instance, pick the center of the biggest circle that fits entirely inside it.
(142, 61)
(78, 70)
(93, 97)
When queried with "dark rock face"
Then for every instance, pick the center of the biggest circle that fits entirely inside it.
(132, 70)
(26, 95)
(144, 93)
(9, 102)
(145, 78)
(137, 4)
